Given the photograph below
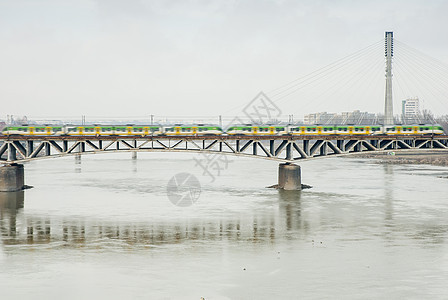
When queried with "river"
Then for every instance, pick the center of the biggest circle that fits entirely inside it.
(103, 227)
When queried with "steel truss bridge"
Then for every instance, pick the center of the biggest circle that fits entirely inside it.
(16, 149)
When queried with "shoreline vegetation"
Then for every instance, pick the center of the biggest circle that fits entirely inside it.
(419, 157)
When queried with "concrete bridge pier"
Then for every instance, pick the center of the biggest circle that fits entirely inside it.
(289, 177)
(12, 178)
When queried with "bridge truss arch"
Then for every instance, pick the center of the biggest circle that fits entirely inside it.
(16, 149)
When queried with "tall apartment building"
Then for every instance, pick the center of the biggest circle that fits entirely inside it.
(410, 109)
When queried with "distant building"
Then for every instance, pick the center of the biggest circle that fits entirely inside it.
(410, 109)
(319, 118)
(354, 117)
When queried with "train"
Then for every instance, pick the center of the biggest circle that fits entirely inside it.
(203, 130)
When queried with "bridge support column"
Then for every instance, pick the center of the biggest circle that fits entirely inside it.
(289, 177)
(12, 178)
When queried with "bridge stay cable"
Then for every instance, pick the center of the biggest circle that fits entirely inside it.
(322, 75)
(322, 72)
(424, 80)
(344, 83)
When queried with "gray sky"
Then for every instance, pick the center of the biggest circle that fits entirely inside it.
(139, 57)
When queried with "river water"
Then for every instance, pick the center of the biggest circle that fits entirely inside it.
(103, 227)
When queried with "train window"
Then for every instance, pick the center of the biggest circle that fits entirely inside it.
(314, 129)
(356, 129)
(325, 129)
(361, 129)
(308, 129)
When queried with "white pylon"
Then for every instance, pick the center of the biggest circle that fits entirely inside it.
(388, 107)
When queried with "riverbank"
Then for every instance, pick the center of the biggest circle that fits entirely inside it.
(436, 158)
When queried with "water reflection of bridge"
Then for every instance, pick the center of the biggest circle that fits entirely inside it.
(291, 221)
(18, 228)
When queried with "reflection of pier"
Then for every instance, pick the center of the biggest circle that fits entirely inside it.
(289, 222)
(18, 228)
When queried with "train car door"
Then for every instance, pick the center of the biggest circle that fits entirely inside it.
(129, 130)
(319, 130)
(415, 129)
(81, 130)
(97, 130)
(31, 130)
(177, 130)
(367, 129)
(302, 130)
(195, 130)
(48, 130)
(146, 130)
(255, 130)
(350, 129)
(271, 130)
(399, 128)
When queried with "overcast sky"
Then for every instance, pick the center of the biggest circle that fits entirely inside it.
(141, 57)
